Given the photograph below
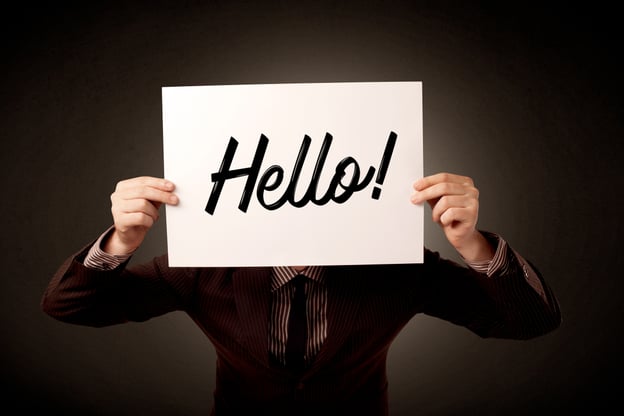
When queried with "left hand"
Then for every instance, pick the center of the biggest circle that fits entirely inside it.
(454, 201)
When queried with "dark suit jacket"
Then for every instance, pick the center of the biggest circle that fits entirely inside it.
(367, 307)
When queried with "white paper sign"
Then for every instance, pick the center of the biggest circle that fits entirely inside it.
(294, 174)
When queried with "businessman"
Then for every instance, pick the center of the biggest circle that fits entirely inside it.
(297, 340)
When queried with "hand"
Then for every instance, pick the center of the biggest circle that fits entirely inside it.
(135, 204)
(454, 202)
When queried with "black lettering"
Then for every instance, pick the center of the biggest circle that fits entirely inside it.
(310, 194)
(353, 186)
(262, 186)
(383, 166)
(273, 177)
(225, 173)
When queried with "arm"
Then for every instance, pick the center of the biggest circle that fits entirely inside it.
(454, 202)
(501, 305)
(85, 296)
(85, 290)
(502, 294)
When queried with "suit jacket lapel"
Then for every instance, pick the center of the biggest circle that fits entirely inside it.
(252, 292)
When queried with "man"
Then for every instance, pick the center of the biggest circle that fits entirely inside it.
(351, 313)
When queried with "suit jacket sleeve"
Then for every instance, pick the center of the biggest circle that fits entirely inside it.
(507, 304)
(81, 295)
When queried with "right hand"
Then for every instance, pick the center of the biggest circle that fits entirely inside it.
(135, 204)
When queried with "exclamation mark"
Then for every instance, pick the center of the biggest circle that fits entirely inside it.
(383, 166)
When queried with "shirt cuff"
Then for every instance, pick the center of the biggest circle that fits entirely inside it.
(498, 262)
(98, 259)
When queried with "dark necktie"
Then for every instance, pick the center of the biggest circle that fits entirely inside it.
(297, 326)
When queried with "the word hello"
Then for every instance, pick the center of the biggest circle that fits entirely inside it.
(273, 177)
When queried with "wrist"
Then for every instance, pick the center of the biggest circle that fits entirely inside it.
(113, 244)
(476, 248)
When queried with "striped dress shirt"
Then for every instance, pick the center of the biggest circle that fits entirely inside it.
(316, 310)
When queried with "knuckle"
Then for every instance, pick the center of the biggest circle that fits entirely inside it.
(443, 202)
(472, 193)
(145, 204)
(147, 220)
(121, 184)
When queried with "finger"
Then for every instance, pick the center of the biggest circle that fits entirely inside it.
(451, 201)
(146, 181)
(137, 205)
(146, 192)
(456, 215)
(132, 220)
(428, 181)
(439, 190)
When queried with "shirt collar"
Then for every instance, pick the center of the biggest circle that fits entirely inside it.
(283, 275)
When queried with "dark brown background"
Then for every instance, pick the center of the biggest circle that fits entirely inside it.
(525, 100)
